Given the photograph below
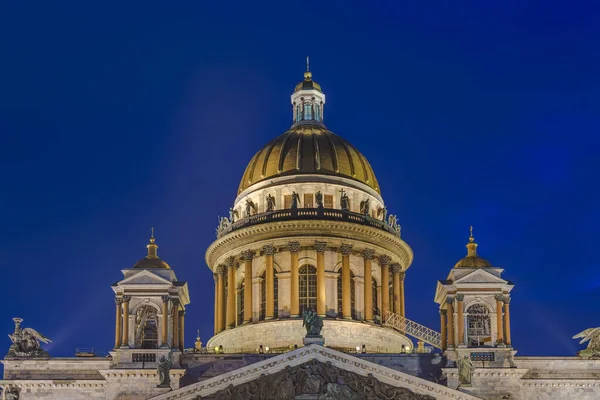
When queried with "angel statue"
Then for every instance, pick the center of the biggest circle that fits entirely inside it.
(26, 342)
(365, 207)
(295, 200)
(270, 203)
(593, 336)
(163, 368)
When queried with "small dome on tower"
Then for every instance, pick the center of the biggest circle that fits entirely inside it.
(151, 260)
(308, 83)
(472, 260)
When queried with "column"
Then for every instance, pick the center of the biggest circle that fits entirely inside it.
(396, 271)
(294, 248)
(221, 270)
(181, 329)
(507, 321)
(269, 251)
(231, 266)
(461, 320)
(119, 322)
(499, 326)
(216, 323)
(165, 322)
(321, 306)
(402, 275)
(443, 333)
(247, 256)
(346, 249)
(175, 319)
(450, 308)
(368, 255)
(125, 340)
(384, 262)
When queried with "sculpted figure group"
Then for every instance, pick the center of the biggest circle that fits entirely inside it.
(26, 342)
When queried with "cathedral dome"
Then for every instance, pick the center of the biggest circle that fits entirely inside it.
(472, 260)
(308, 83)
(308, 149)
(151, 260)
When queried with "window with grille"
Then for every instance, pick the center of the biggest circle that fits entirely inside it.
(307, 284)
(352, 296)
(328, 201)
(263, 296)
(287, 201)
(308, 200)
(479, 329)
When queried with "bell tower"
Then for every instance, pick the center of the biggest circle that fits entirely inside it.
(150, 310)
(474, 312)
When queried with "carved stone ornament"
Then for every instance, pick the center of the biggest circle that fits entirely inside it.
(247, 255)
(450, 300)
(385, 260)
(346, 249)
(118, 301)
(396, 268)
(126, 299)
(221, 269)
(402, 275)
(499, 298)
(368, 254)
(294, 247)
(460, 297)
(269, 250)
(26, 343)
(320, 247)
(318, 380)
(165, 299)
(11, 393)
(443, 312)
(506, 300)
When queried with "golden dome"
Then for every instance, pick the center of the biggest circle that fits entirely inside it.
(308, 83)
(151, 260)
(308, 149)
(472, 260)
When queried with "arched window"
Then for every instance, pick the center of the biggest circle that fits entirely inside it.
(307, 283)
(308, 114)
(240, 308)
(263, 296)
(146, 328)
(479, 330)
(375, 308)
(352, 296)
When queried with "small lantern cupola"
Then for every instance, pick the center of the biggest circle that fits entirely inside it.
(308, 100)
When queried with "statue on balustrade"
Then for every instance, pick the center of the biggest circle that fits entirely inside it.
(319, 199)
(250, 207)
(344, 201)
(365, 207)
(295, 200)
(593, 348)
(312, 322)
(270, 203)
(224, 226)
(382, 213)
(26, 342)
(163, 369)
(233, 215)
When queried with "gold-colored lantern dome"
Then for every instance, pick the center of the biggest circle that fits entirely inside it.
(151, 260)
(472, 260)
(308, 147)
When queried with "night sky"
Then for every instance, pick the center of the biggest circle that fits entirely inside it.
(132, 115)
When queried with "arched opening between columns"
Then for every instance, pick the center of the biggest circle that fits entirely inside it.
(263, 296)
(479, 328)
(307, 287)
(352, 296)
(146, 327)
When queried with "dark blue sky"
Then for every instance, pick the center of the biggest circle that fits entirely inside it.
(119, 118)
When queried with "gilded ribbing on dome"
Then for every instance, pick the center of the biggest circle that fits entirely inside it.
(308, 149)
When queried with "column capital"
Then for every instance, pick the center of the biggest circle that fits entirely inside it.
(402, 275)
(175, 301)
(385, 260)
(320, 246)
(118, 301)
(499, 298)
(506, 300)
(443, 312)
(460, 297)
(269, 250)
(368, 254)
(126, 299)
(221, 269)
(346, 249)
(165, 299)
(247, 255)
(182, 313)
(450, 300)
(396, 268)
(231, 262)
(216, 277)
(294, 247)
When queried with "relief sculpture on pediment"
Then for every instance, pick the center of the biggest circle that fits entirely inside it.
(324, 381)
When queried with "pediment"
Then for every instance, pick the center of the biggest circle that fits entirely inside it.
(315, 372)
(480, 276)
(144, 277)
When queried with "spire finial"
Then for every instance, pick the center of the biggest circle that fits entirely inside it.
(471, 238)
(471, 246)
(307, 64)
(152, 246)
(307, 74)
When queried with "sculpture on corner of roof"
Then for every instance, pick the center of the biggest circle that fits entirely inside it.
(163, 368)
(26, 342)
(593, 348)
(312, 322)
(465, 370)
(11, 393)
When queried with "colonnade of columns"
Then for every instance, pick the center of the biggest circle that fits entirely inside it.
(447, 324)
(177, 320)
(225, 301)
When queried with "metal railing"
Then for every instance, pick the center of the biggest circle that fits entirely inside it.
(291, 214)
(413, 329)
